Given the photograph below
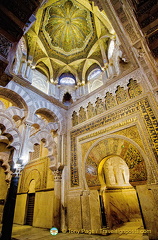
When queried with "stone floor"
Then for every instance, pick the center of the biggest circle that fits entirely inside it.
(129, 231)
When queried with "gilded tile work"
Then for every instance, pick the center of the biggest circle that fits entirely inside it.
(136, 164)
(141, 106)
(132, 133)
(108, 129)
(74, 162)
(92, 173)
(85, 147)
(151, 124)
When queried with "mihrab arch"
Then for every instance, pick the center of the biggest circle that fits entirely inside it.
(115, 146)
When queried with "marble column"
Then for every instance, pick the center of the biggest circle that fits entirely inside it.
(27, 72)
(57, 198)
(25, 151)
(22, 68)
(106, 67)
(8, 213)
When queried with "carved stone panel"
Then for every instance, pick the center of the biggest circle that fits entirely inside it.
(109, 100)
(90, 110)
(36, 170)
(141, 107)
(121, 95)
(74, 118)
(133, 88)
(99, 106)
(82, 115)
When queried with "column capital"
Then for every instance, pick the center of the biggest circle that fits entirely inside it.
(57, 172)
(18, 170)
(57, 175)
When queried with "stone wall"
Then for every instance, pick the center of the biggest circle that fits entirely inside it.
(122, 130)
(148, 199)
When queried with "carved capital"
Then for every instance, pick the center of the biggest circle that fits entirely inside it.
(57, 175)
(57, 172)
(18, 170)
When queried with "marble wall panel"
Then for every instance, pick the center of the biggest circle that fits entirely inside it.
(120, 206)
(43, 210)
(95, 211)
(85, 211)
(74, 212)
(20, 209)
(148, 202)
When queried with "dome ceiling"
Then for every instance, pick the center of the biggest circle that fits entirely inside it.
(68, 28)
(68, 36)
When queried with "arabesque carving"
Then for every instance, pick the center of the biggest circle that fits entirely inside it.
(141, 106)
(99, 106)
(121, 96)
(82, 115)
(116, 174)
(110, 101)
(134, 88)
(4, 158)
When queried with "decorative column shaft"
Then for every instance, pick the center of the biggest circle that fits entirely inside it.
(26, 133)
(28, 69)
(8, 213)
(22, 67)
(57, 197)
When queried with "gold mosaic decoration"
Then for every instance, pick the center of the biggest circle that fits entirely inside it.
(132, 133)
(141, 106)
(117, 147)
(69, 27)
(64, 35)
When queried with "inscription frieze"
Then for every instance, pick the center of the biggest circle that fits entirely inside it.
(108, 129)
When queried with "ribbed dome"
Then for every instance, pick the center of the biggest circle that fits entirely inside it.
(69, 36)
(68, 27)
